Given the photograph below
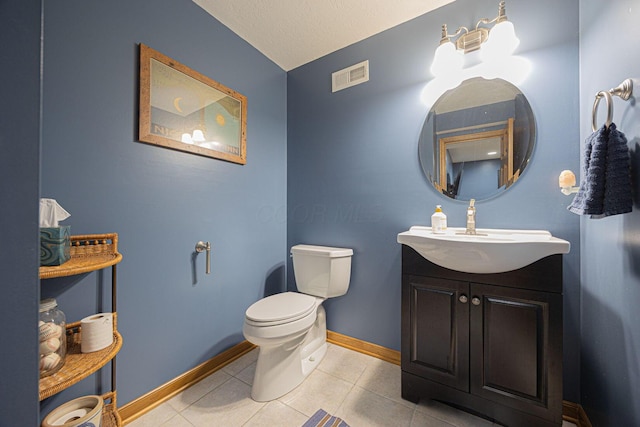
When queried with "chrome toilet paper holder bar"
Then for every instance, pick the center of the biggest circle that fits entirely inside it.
(205, 246)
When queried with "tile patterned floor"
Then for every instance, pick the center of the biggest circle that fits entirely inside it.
(362, 390)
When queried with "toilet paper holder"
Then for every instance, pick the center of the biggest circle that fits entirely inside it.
(205, 246)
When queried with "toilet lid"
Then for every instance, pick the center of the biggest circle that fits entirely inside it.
(278, 308)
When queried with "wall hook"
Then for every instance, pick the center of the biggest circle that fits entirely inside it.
(205, 246)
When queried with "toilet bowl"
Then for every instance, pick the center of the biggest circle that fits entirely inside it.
(290, 328)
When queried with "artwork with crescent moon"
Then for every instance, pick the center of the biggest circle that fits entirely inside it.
(188, 111)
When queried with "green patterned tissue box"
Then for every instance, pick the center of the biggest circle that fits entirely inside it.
(55, 245)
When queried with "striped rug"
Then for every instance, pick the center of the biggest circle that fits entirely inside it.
(322, 419)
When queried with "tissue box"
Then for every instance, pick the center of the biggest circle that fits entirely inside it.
(55, 245)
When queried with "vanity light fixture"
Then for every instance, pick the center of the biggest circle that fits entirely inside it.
(494, 42)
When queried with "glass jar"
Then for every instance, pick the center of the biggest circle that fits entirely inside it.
(53, 337)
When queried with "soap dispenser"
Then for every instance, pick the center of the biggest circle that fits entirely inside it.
(438, 221)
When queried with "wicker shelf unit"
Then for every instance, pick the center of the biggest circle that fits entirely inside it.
(89, 252)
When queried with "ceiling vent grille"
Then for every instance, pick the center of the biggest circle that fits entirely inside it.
(350, 76)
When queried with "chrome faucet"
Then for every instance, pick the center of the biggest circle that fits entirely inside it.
(471, 218)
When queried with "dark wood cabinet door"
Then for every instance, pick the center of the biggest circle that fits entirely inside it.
(515, 335)
(436, 316)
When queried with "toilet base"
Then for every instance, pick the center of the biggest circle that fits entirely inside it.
(282, 368)
(275, 382)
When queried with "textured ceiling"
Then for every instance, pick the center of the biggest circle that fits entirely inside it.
(294, 32)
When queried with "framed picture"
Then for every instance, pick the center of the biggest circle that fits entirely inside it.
(187, 111)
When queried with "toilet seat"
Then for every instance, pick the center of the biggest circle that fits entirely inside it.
(280, 309)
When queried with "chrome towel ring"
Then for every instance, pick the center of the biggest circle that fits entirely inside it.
(594, 113)
(624, 90)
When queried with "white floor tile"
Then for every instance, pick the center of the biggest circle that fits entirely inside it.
(242, 362)
(421, 419)
(343, 363)
(276, 413)
(198, 390)
(177, 421)
(228, 405)
(156, 417)
(383, 378)
(318, 391)
(363, 408)
(247, 374)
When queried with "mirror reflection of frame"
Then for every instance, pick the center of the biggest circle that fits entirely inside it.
(187, 111)
(477, 139)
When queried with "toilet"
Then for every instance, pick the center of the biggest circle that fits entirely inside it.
(290, 328)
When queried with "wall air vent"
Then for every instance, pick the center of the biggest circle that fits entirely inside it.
(350, 76)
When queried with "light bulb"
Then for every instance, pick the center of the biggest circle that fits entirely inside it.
(502, 42)
(186, 138)
(566, 179)
(567, 182)
(198, 136)
(447, 59)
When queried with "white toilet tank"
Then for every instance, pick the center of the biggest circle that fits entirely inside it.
(322, 271)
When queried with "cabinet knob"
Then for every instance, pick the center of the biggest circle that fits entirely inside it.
(475, 301)
(463, 299)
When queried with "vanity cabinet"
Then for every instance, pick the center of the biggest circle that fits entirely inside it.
(89, 253)
(487, 343)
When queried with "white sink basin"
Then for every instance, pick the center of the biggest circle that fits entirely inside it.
(490, 251)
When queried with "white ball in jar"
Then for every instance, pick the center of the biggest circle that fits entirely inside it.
(49, 330)
(49, 362)
(49, 346)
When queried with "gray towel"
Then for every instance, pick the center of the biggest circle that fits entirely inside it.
(605, 188)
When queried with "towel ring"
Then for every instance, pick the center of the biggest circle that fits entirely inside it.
(607, 96)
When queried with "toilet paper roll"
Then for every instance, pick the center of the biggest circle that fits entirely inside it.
(97, 332)
(71, 416)
(81, 412)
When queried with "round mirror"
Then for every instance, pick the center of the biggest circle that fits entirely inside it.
(477, 139)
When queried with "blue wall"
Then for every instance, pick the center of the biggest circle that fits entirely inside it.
(19, 192)
(611, 247)
(355, 180)
(479, 179)
(161, 202)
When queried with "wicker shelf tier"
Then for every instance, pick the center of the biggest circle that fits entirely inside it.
(78, 365)
(89, 252)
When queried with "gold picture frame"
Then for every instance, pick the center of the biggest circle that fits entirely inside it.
(188, 111)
